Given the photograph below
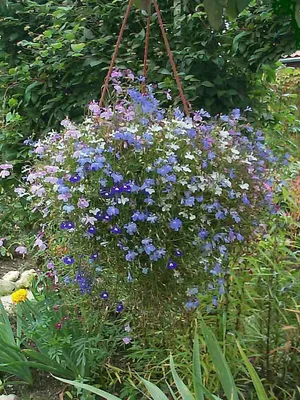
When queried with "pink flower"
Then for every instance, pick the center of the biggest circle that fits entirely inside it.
(4, 173)
(39, 150)
(41, 245)
(21, 250)
(6, 166)
(82, 203)
(127, 340)
(20, 191)
(51, 169)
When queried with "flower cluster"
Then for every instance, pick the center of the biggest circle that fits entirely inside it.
(147, 199)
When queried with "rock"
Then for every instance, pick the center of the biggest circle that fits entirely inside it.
(26, 279)
(11, 276)
(9, 397)
(6, 287)
(9, 306)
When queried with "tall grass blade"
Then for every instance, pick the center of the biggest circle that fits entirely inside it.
(260, 391)
(183, 389)
(221, 366)
(155, 391)
(197, 375)
(89, 388)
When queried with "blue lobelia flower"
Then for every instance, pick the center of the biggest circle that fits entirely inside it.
(75, 178)
(68, 260)
(171, 265)
(120, 307)
(131, 228)
(178, 253)
(91, 230)
(104, 295)
(112, 211)
(176, 224)
(131, 255)
(116, 230)
(67, 225)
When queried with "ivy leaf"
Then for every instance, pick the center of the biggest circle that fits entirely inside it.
(214, 13)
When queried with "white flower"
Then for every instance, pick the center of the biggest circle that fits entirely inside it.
(244, 186)
(189, 156)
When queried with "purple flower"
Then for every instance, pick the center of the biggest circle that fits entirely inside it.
(245, 200)
(178, 253)
(220, 215)
(149, 248)
(190, 201)
(92, 230)
(67, 225)
(104, 295)
(116, 230)
(75, 178)
(171, 264)
(191, 305)
(164, 170)
(94, 256)
(203, 234)
(82, 203)
(117, 177)
(131, 255)
(120, 307)
(239, 237)
(112, 211)
(131, 228)
(176, 224)
(68, 260)
(139, 216)
(21, 250)
(127, 340)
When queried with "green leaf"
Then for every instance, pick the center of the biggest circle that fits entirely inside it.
(260, 391)
(182, 388)
(297, 13)
(155, 391)
(197, 375)
(89, 388)
(78, 47)
(232, 10)
(221, 366)
(214, 13)
(207, 84)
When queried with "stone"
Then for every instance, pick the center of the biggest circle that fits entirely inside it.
(11, 276)
(9, 397)
(9, 306)
(6, 287)
(26, 279)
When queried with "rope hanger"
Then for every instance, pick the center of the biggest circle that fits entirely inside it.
(146, 51)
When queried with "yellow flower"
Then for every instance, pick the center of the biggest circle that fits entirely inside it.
(19, 296)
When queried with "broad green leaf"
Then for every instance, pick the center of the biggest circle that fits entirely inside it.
(297, 13)
(231, 9)
(260, 391)
(221, 366)
(197, 375)
(182, 388)
(207, 84)
(155, 391)
(214, 13)
(78, 47)
(6, 322)
(90, 389)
